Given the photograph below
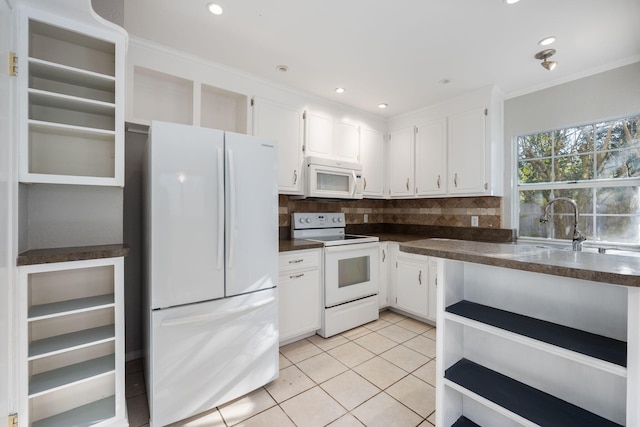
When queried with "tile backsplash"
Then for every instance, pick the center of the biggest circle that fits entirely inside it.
(452, 212)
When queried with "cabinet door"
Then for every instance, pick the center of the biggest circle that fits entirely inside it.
(467, 152)
(283, 124)
(318, 135)
(431, 158)
(300, 303)
(383, 300)
(346, 142)
(401, 163)
(372, 159)
(412, 292)
(432, 312)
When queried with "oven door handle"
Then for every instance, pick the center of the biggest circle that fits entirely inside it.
(352, 247)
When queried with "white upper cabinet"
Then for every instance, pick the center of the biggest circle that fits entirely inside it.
(283, 124)
(372, 151)
(330, 138)
(70, 100)
(431, 158)
(467, 150)
(318, 135)
(401, 163)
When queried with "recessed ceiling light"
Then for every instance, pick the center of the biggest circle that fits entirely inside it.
(339, 90)
(547, 41)
(444, 81)
(215, 8)
(282, 68)
(511, 1)
(383, 105)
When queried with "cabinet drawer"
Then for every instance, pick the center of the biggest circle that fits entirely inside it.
(299, 260)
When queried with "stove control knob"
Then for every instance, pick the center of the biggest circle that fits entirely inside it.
(339, 219)
(307, 220)
(301, 220)
(335, 219)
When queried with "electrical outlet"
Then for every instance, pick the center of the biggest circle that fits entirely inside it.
(366, 217)
(474, 221)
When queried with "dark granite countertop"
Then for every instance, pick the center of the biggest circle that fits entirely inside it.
(74, 253)
(614, 269)
(297, 245)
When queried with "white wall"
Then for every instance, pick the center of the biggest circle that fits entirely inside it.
(608, 95)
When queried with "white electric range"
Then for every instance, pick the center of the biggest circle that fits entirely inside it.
(350, 270)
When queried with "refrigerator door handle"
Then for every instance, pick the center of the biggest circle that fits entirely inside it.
(216, 315)
(220, 258)
(232, 208)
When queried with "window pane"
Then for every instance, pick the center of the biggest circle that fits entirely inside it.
(574, 168)
(531, 203)
(619, 229)
(573, 140)
(530, 171)
(619, 164)
(582, 196)
(618, 134)
(532, 146)
(618, 200)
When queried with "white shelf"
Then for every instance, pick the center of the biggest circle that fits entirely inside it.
(69, 375)
(71, 130)
(602, 365)
(62, 308)
(72, 103)
(66, 342)
(83, 416)
(71, 75)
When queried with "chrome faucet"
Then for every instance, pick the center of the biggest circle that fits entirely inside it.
(578, 237)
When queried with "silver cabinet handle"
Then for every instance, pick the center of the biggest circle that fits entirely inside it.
(295, 261)
(420, 277)
(296, 276)
(384, 255)
(365, 183)
(407, 184)
(455, 180)
(438, 182)
(295, 177)
(436, 280)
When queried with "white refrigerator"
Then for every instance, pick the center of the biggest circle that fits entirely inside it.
(211, 255)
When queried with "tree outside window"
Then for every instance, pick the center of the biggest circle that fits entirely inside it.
(597, 165)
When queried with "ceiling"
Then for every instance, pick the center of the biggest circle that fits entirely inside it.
(397, 52)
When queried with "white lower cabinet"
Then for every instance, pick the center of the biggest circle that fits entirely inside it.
(300, 294)
(72, 344)
(518, 348)
(412, 290)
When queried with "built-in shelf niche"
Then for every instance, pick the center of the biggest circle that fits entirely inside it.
(71, 110)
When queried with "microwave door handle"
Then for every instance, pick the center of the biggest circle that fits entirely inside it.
(355, 183)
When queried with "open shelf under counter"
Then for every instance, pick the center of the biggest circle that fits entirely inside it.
(601, 352)
(518, 401)
(51, 380)
(85, 415)
(62, 308)
(67, 342)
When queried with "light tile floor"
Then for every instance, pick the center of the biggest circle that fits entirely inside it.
(380, 374)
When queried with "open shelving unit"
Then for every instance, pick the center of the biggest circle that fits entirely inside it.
(529, 349)
(73, 358)
(72, 106)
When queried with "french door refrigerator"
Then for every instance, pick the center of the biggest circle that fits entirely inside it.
(211, 254)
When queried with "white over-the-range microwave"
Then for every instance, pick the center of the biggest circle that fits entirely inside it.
(333, 179)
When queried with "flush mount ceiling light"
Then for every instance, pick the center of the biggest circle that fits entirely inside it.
(547, 41)
(511, 1)
(383, 105)
(282, 68)
(215, 8)
(339, 90)
(544, 55)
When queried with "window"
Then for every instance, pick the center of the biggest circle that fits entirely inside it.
(597, 165)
